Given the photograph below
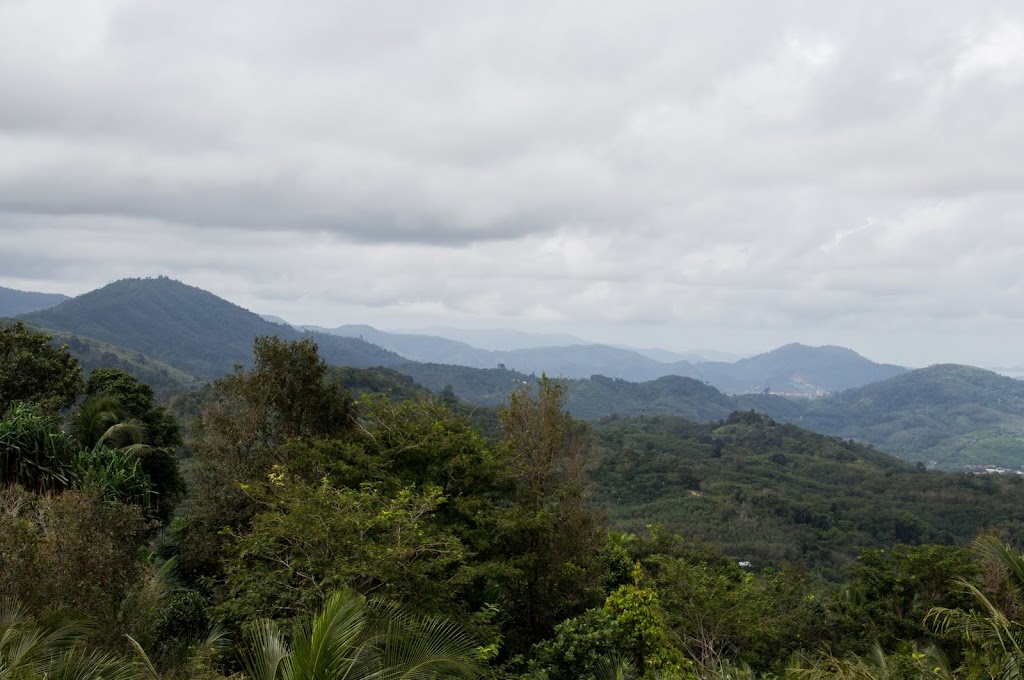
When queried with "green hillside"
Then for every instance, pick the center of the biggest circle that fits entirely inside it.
(793, 369)
(186, 327)
(770, 493)
(944, 415)
(93, 354)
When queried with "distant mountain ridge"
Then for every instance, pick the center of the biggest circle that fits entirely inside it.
(795, 369)
(792, 369)
(187, 327)
(946, 415)
(14, 302)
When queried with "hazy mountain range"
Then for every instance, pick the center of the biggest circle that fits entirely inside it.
(174, 335)
(14, 302)
(793, 369)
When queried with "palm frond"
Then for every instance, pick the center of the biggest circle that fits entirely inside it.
(267, 653)
(415, 647)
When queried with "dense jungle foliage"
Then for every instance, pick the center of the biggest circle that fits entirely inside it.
(773, 494)
(372, 531)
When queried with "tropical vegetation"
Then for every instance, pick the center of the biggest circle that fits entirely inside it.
(318, 522)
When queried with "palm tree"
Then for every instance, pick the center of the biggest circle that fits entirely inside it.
(351, 637)
(31, 650)
(989, 629)
(110, 445)
(101, 421)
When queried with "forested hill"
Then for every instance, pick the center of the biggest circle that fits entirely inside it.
(186, 327)
(796, 369)
(92, 354)
(570, 361)
(792, 369)
(14, 302)
(769, 492)
(947, 415)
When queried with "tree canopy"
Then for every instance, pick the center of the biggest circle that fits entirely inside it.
(32, 369)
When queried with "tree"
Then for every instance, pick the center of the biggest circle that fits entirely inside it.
(309, 539)
(350, 637)
(31, 369)
(629, 628)
(898, 587)
(247, 419)
(135, 403)
(101, 421)
(992, 629)
(136, 398)
(53, 649)
(73, 551)
(118, 453)
(554, 536)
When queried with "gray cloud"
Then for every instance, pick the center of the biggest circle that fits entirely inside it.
(736, 173)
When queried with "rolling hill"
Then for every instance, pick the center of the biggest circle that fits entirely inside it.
(792, 369)
(795, 369)
(14, 302)
(92, 354)
(945, 415)
(186, 327)
(772, 493)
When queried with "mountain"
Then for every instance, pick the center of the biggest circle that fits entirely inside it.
(598, 396)
(697, 356)
(93, 354)
(274, 319)
(794, 369)
(14, 302)
(499, 339)
(945, 415)
(773, 493)
(425, 348)
(187, 327)
(569, 361)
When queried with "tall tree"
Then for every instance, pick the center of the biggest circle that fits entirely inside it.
(560, 574)
(32, 369)
(249, 416)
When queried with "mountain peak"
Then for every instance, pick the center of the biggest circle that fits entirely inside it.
(186, 326)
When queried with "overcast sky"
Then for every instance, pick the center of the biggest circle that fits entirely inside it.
(683, 174)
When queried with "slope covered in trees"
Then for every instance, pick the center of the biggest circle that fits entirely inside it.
(380, 536)
(772, 493)
(945, 415)
(186, 327)
(94, 354)
(794, 368)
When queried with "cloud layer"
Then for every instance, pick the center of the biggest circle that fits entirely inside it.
(734, 174)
